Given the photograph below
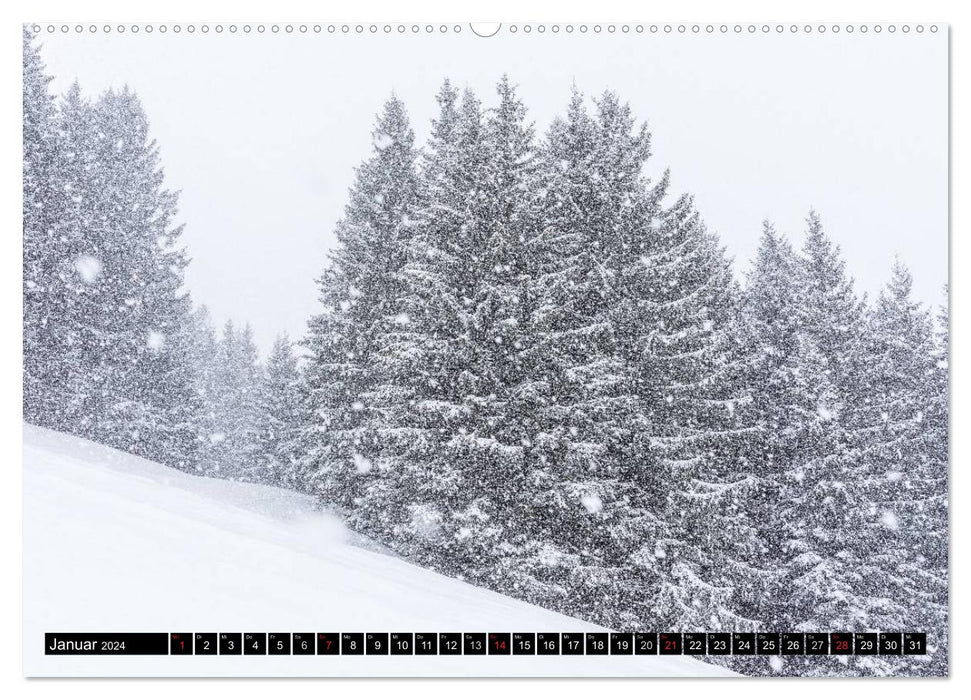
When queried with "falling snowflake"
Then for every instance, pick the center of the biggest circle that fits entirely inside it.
(89, 267)
(357, 406)
(889, 520)
(216, 438)
(155, 341)
(425, 521)
(591, 502)
(775, 663)
(382, 140)
(402, 319)
(825, 412)
(361, 463)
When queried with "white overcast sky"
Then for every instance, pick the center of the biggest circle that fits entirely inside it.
(261, 133)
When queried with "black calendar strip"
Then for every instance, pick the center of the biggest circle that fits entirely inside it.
(487, 643)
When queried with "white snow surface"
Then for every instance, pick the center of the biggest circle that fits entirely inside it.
(117, 543)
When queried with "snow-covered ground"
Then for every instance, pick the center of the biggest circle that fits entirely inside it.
(117, 543)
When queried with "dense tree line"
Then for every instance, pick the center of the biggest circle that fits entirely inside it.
(533, 370)
(112, 348)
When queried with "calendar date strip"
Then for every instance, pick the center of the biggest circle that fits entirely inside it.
(486, 643)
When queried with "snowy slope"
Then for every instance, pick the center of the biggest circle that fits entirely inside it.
(117, 543)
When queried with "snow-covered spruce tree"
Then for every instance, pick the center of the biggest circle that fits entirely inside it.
(456, 366)
(769, 332)
(495, 456)
(145, 311)
(902, 535)
(452, 393)
(75, 274)
(637, 339)
(824, 493)
(425, 356)
(933, 542)
(783, 411)
(125, 317)
(591, 187)
(48, 357)
(610, 263)
(688, 447)
(361, 294)
(524, 402)
(234, 446)
(280, 418)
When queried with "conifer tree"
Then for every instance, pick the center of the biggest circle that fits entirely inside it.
(456, 361)
(690, 444)
(495, 455)
(934, 541)
(46, 352)
(361, 295)
(280, 418)
(138, 336)
(79, 269)
(425, 359)
(770, 332)
(903, 531)
(235, 445)
(594, 196)
(108, 317)
(824, 492)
